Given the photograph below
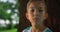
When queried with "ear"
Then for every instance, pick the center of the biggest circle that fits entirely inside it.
(27, 15)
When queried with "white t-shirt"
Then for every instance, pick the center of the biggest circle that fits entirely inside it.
(29, 30)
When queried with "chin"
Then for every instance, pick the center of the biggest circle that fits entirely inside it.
(38, 23)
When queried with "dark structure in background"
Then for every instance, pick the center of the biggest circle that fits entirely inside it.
(53, 7)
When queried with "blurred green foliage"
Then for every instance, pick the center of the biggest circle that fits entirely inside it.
(4, 6)
(11, 30)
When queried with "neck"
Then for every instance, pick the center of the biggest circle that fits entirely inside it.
(38, 29)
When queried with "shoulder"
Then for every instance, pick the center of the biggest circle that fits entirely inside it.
(27, 29)
(48, 30)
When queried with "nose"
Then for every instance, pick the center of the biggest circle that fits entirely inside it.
(36, 12)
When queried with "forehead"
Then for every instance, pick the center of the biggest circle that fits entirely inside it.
(37, 4)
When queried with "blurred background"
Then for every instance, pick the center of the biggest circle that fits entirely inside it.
(9, 15)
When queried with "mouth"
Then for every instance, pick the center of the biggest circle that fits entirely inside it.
(36, 18)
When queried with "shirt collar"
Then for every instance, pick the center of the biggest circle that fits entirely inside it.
(45, 30)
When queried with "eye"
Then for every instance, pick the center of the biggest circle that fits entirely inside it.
(32, 10)
(40, 10)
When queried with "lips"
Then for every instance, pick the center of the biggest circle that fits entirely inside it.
(36, 18)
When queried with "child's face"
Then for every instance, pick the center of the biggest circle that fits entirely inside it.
(36, 13)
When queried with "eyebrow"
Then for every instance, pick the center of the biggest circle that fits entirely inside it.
(36, 7)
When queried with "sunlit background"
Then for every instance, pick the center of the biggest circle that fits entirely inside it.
(9, 15)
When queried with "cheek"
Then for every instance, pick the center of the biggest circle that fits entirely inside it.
(41, 16)
(44, 16)
(30, 17)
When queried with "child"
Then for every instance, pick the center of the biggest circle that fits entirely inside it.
(36, 14)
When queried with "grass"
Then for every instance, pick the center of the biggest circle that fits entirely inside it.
(12, 30)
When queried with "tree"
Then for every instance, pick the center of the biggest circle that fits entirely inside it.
(6, 11)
